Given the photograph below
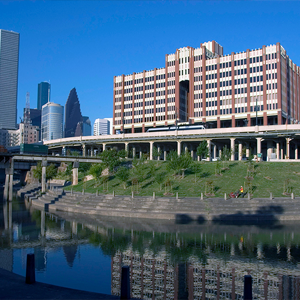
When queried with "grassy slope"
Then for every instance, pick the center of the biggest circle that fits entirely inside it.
(231, 180)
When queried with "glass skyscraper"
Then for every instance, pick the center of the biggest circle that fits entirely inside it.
(52, 121)
(43, 95)
(9, 65)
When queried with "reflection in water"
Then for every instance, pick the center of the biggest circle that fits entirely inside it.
(167, 260)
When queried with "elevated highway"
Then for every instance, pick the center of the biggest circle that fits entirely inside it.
(281, 140)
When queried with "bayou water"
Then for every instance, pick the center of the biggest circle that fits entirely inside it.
(168, 259)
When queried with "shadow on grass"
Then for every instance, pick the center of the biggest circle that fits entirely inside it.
(205, 174)
(264, 217)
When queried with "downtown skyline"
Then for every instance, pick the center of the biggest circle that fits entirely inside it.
(85, 44)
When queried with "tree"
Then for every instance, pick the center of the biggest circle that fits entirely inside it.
(123, 175)
(51, 171)
(96, 171)
(159, 178)
(196, 168)
(202, 150)
(123, 153)
(185, 161)
(179, 163)
(226, 154)
(110, 159)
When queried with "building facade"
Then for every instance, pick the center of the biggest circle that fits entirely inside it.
(43, 95)
(9, 65)
(29, 134)
(52, 121)
(73, 114)
(203, 86)
(101, 127)
(9, 137)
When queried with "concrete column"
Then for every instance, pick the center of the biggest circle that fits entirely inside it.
(151, 150)
(240, 151)
(185, 148)
(44, 165)
(10, 215)
(43, 217)
(258, 147)
(133, 151)
(141, 153)
(209, 149)
(215, 150)
(92, 151)
(220, 152)
(83, 150)
(192, 154)
(75, 176)
(269, 149)
(5, 215)
(158, 150)
(288, 148)
(281, 152)
(232, 148)
(74, 228)
(104, 146)
(296, 151)
(11, 185)
(247, 150)
(165, 154)
(277, 150)
(127, 149)
(178, 148)
(6, 186)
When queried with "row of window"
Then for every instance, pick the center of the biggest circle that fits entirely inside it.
(171, 63)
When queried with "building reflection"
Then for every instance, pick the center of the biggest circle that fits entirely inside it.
(155, 277)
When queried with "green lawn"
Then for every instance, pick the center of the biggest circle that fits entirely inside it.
(268, 177)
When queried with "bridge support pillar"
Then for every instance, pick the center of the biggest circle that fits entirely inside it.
(141, 153)
(6, 186)
(209, 149)
(269, 149)
(296, 151)
(258, 148)
(247, 150)
(165, 154)
(44, 165)
(287, 148)
(75, 173)
(127, 150)
(278, 150)
(240, 151)
(104, 146)
(133, 152)
(215, 150)
(83, 150)
(178, 148)
(158, 150)
(151, 150)
(232, 148)
(92, 151)
(192, 154)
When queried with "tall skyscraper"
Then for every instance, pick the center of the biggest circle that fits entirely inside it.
(73, 114)
(52, 121)
(43, 95)
(9, 65)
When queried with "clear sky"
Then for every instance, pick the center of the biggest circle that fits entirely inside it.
(84, 44)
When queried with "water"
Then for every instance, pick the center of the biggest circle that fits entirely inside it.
(167, 259)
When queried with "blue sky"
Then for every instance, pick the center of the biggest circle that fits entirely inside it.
(83, 44)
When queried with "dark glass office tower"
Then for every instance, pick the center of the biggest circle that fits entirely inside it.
(73, 114)
(43, 95)
(9, 65)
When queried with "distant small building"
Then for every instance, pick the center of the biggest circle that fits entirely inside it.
(101, 127)
(29, 134)
(52, 121)
(9, 137)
